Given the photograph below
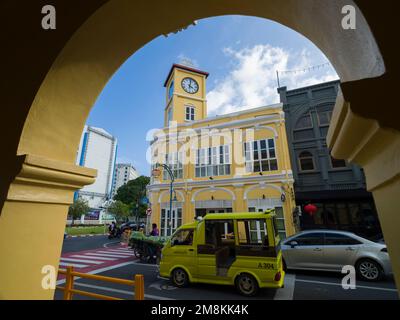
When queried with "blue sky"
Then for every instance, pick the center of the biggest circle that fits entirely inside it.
(241, 54)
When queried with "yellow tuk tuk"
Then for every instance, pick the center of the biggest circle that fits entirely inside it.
(241, 249)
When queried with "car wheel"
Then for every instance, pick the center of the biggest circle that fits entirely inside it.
(247, 285)
(369, 270)
(180, 278)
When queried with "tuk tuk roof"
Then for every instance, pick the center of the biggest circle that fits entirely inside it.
(189, 225)
(240, 215)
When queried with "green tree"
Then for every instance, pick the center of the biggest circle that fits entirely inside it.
(78, 208)
(131, 194)
(119, 209)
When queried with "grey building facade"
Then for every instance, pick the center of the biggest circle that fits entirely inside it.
(334, 186)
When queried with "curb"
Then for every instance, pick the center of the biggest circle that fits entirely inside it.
(86, 235)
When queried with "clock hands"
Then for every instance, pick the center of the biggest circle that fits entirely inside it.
(189, 85)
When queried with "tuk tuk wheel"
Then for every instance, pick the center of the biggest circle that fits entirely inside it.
(180, 278)
(247, 285)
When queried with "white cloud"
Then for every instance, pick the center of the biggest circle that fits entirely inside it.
(252, 80)
(185, 59)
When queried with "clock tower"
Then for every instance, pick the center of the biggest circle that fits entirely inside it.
(185, 95)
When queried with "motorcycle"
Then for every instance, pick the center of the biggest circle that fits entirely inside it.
(115, 233)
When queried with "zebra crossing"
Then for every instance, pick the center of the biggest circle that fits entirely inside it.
(89, 260)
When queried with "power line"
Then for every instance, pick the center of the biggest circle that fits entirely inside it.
(305, 70)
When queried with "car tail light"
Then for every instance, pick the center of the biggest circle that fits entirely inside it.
(384, 250)
(278, 276)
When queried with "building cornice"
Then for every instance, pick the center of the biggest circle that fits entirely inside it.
(235, 114)
(273, 178)
(268, 119)
(189, 69)
(43, 180)
(313, 87)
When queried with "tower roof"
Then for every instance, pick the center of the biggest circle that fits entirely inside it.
(180, 66)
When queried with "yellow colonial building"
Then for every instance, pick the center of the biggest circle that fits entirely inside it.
(231, 163)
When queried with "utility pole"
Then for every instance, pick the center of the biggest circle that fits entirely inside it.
(277, 78)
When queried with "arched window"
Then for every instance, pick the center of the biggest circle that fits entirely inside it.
(306, 161)
(305, 122)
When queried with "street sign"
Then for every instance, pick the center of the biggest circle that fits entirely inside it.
(144, 200)
(156, 172)
(148, 211)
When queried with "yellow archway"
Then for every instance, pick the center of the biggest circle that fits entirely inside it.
(91, 50)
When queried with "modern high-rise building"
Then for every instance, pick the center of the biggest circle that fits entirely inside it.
(97, 150)
(123, 173)
(231, 163)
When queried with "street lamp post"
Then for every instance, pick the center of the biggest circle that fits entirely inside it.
(171, 176)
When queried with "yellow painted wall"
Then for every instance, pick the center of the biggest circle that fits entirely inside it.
(181, 98)
(27, 228)
(236, 147)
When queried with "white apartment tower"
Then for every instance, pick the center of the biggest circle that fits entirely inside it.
(124, 172)
(97, 150)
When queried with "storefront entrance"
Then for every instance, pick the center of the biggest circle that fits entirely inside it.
(358, 216)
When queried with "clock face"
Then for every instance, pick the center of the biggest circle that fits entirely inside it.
(190, 85)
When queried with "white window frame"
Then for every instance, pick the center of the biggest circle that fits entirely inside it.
(213, 161)
(171, 222)
(259, 233)
(175, 162)
(263, 208)
(189, 113)
(249, 155)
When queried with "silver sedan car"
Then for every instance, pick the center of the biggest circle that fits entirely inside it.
(329, 250)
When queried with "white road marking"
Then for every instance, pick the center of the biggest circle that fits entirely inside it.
(339, 284)
(109, 243)
(129, 293)
(100, 270)
(76, 265)
(161, 285)
(116, 253)
(120, 252)
(81, 260)
(106, 255)
(97, 258)
(286, 293)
